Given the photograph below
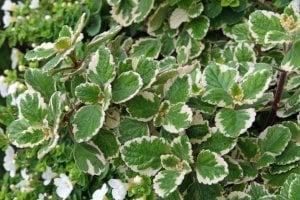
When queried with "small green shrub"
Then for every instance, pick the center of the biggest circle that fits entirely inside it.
(167, 100)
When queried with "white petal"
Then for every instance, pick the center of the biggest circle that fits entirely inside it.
(6, 19)
(100, 193)
(34, 4)
(9, 162)
(41, 196)
(48, 175)
(119, 189)
(3, 87)
(24, 174)
(295, 5)
(64, 186)
(8, 5)
(14, 58)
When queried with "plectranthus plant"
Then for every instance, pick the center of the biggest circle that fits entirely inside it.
(170, 100)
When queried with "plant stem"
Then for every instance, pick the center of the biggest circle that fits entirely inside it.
(61, 70)
(277, 98)
(72, 56)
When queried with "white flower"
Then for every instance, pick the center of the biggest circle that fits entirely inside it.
(119, 189)
(64, 186)
(3, 87)
(295, 5)
(48, 175)
(47, 17)
(34, 4)
(14, 56)
(42, 196)
(14, 87)
(24, 174)
(9, 163)
(100, 193)
(8, 5)
(137, 179)
(24, 185)
(6, 19)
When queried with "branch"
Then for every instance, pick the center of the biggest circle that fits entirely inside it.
(278, 93)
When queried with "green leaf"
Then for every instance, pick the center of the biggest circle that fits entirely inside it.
(232, 3)
(212, 9)
(219, 143)
(235, 171)
(261, 22)
(87, 122)
(201, 191)
(78, 29)
(123, 11)
(180, 90)
(255, 84)
(32, 107)
(244, 52)
(177, 118)
(89, 158)
(291, 60)
(148, 149)
(277, 37)
(94, 24)
(55, 61)
(248, 147)
(199, 133)
(130, 129)
(101, 68)
(173, 163)
(157, 18)
(148, 47)
(166, 182)
(56, 108)
(40, 81)
(169, 162)
(182, 148)
(106, 141)
(198, 104)
(62, 44)
(21, 134)
(198, 27)
(256, 191)
(233, 123)
(274, 139)
(126, 86)
(217, 96)
(50, 145)
(44, 51)
(143, 9)
(238, 195)
(294, 192)
(143, 106)
(285, 189)
(178, 17)
(280, 169)
(294, 129)
(210, 167)
(218, 79)
(265, 160)
(88, 93)
(104, 36)
(239, 32)
(147, 69)
(291, 154)
(249, 171)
